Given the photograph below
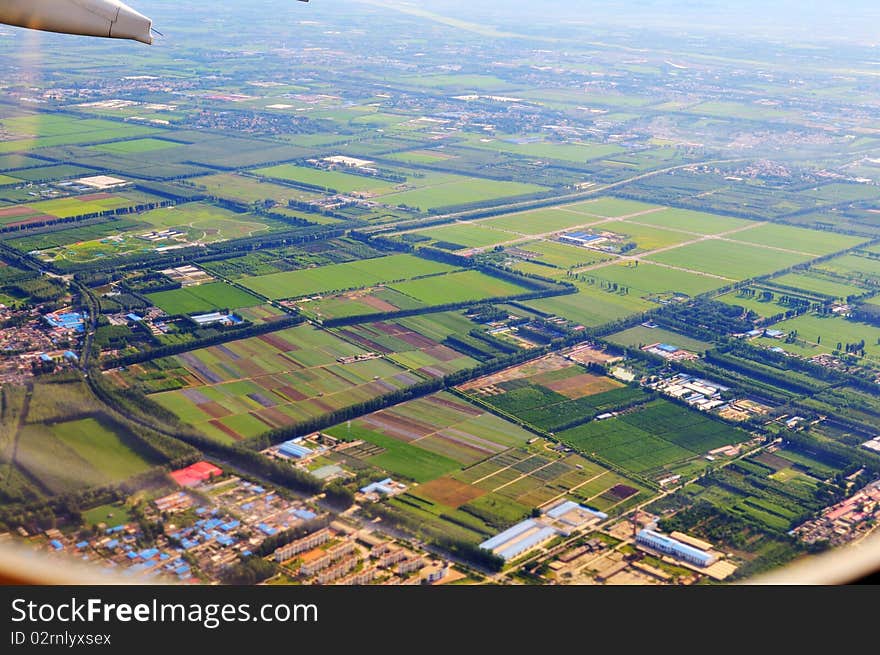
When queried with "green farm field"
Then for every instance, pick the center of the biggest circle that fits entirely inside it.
(613, 208)
(853, 266)
(466, 235)
(461, 286)
(700, 223)
(538, 148)
(650, 279)
(659, 435)
(734, 261)
(592, 306)
(335, 180)
(80, 453)
(640, 335)
(203, 298)
(251, 189)
(137, 146)
(815, 282)
(41, 130)
(562, 255)
(459, 190)
(338, 277)
(795, 238)
(823, 333)
(539, 221)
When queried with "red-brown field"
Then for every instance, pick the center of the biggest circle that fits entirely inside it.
(447, 491)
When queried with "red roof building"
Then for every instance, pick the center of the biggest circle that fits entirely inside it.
(194, 475)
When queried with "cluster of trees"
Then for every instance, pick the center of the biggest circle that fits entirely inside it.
(464, 550)
(705, 319)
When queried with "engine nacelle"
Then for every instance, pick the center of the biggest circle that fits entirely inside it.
(103, 18)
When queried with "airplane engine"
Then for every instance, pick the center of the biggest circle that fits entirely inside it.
(103, 18)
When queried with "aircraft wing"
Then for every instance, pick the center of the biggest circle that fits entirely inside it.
(102, 18)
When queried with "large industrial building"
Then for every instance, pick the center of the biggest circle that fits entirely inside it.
(519, 539)
(667, 545)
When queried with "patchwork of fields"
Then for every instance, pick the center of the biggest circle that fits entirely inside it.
(473, 472)
(243, 388)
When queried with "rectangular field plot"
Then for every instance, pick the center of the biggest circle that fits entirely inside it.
(137, 146)
(592, 306)
(814, 282)
(203, 298)
(81, 453)
(651, 280)
(536, 147)
(641, 335)
(339, 277)
(407, 347)
(43, 130)
(533, 479)
(695, 222)
(246, 387)
(856, 267)
(732, 260)
(613, 207)
(82, 205)
(249, 189)
(647, 441)
(330, 180)
(795, 238)
(456, 287)
(460, 190)
(560, 255)
(822, 334)
(539, 221)
(426, 438)
(647, 237)
(465, 235)
(552, 393)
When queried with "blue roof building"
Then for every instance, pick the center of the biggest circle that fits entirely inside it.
(294, 450)
(519, 539)
(669, 546)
